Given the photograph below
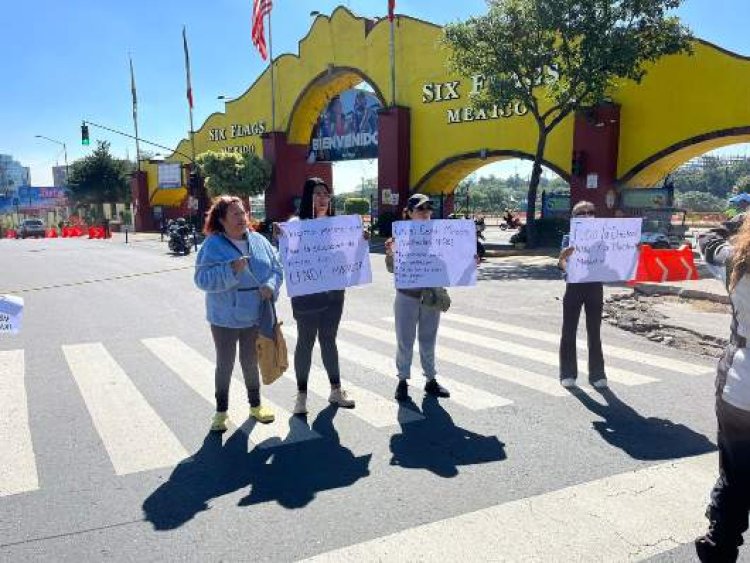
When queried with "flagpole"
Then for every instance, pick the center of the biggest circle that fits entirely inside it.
(189, 92)
(273, 79)
(393, 60)
(135, 116)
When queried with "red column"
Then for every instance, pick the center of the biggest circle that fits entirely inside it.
(596, 141)
(139, 194)
(394, 155)
(290, 170)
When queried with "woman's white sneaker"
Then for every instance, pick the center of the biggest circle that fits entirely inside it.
(300, 405)
(339, 397)
(568, 382)
(600, 383)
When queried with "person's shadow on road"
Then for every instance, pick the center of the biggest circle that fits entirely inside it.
(290, 474)
(437, 444)
(642, 438)
(298, 471)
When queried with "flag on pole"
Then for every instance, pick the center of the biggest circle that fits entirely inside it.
(391, 9)
(187, 68)
(132, 88)
(261, 8)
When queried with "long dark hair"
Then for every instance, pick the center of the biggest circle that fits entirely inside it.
(306, 210)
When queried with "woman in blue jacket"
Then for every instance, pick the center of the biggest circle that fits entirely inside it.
(237, 269)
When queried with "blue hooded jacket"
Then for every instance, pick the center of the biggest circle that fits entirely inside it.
(233, 299)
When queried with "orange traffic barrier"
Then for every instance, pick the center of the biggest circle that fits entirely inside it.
(51, 233)
(665, 265)
(96, 232)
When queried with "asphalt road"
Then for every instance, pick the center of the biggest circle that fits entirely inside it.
(107, 455)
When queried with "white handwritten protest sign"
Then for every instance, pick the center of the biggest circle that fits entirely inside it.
(11, 313)
(606, 250)
(437, 253)
(324, 254)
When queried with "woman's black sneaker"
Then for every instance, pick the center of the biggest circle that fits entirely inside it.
(402, 390)
(434, 388)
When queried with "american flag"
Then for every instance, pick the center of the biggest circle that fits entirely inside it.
(261, 8)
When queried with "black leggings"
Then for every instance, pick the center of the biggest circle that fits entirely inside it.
(589, 296)
(225, 342)
(324, 326)
(730, 498)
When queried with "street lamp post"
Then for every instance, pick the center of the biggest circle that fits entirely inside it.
(65, 153)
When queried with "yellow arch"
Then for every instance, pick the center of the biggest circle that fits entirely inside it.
(686, 105)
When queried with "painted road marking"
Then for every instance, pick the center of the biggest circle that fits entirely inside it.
(135, 437)
(198, 373)
(627, 517)
(18, 472)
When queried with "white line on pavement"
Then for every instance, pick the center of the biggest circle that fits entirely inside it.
(627, 517)
(198, 373)
(18, 472)
(134, 436)
(662, 362)
(504, 372)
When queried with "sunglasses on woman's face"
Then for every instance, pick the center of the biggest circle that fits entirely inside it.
(587, 213)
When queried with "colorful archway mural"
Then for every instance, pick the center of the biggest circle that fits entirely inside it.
(430, 137)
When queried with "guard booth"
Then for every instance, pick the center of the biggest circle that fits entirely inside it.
(663, 224)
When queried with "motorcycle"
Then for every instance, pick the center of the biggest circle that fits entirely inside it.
(180, 239)
(512, 224)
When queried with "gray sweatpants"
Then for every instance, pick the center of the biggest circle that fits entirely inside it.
(225, 342)
(414, 319)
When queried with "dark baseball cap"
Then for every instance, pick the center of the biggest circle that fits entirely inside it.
(418, 201)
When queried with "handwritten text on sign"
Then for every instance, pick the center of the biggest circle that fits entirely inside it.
(324, 254)
(11, 313)
(606, 250)
(437, 253)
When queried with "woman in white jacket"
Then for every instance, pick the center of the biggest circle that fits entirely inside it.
(730, 499)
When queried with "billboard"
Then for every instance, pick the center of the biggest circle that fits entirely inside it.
(169, 175)
(27, 199)
(347, 129)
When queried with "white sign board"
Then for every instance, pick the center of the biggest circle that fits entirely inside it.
(169, 175)
(386, 197)
(592, 181)
(436, 253)
(324, 254)
(606, 250)
(11, 314)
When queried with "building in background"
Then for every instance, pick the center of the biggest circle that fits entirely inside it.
(59, 176)
(13, 174)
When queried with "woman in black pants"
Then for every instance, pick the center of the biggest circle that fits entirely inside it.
(730, 498)
(590, 297)
(318, 314)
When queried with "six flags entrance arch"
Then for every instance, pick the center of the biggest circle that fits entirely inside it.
(430, 138)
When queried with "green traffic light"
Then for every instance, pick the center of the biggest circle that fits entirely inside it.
(85, 135)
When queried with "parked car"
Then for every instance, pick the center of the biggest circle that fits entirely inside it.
(31, 228)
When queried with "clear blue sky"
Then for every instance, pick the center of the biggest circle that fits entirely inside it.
(68, 60)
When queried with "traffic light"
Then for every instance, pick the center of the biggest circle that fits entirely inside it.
(85, 135)
(193, 184)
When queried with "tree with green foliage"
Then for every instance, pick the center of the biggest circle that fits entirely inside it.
(243, 175)
(556, 57)
(356, 205)
(742, 185)
(99, 178)
(700, 201)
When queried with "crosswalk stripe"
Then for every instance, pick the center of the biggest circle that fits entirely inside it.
(18, 472)
(465, 395)
(134, 436)
(504, 372)
(535, 354)
(626, 517)
(198, 373)
(370, 407)
(611, 351)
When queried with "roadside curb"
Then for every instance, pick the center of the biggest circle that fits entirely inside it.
(686, 293)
